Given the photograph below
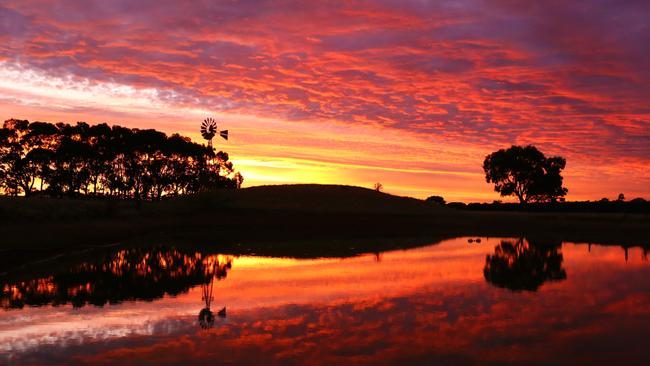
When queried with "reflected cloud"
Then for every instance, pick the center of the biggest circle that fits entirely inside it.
(426, 305)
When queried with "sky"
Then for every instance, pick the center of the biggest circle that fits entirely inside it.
(410, 93)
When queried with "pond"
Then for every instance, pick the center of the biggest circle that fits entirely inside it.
(459, 301)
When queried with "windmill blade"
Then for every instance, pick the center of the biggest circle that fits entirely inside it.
(224, 134)
(208, 128)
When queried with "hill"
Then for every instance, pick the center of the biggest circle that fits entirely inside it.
(305, 198)
(294, 220)
(316, 198)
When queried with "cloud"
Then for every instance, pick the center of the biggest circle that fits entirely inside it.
(491, 72)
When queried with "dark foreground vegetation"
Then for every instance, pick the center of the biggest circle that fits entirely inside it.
(296, 220)
(115, 162)
(636, 205)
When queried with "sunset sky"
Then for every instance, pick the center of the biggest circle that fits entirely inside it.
(409, 93)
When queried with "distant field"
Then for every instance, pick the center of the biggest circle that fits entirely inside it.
(296, 198)
(291, 219)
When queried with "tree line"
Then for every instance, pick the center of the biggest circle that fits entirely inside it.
(637, 205)
(101, 160)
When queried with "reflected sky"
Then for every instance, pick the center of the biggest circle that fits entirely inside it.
(420, 306)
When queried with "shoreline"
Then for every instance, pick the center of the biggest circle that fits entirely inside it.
(288, 221)
(273, 228)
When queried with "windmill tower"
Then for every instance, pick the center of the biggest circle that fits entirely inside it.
(209, 130)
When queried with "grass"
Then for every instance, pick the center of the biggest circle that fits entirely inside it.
(294, 198)
(291, 220)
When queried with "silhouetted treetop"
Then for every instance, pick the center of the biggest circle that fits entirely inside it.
(63, 159)
(524, 171)
(438, 200)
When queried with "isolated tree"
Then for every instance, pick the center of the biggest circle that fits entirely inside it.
(378, 187)
(239, 179)
(524, 171)
(621, 197)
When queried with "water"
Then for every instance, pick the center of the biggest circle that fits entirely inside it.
(500, 301)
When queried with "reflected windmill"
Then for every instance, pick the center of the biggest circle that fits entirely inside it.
(209, 130)
(215, 269)
(206, 317)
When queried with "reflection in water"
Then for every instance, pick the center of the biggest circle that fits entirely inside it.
(128, 274)
(216, 269)
(430, 305)
(524, 265)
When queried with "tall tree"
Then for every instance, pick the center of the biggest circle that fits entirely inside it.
(524, 172)
(18, 174)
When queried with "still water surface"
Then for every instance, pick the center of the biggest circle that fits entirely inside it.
(500, 301)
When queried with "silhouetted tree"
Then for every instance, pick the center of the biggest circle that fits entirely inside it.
(524, 171)
(239, 179)
(115, 161)
(524, 265)
(378, 187)
(18, 173)
(438, 200)
(621, 197)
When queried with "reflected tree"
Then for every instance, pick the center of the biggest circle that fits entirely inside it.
(524, 265)
(122, 275)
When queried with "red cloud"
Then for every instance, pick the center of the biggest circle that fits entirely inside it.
(570, 78)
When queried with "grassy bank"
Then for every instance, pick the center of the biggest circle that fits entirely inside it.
(285, 220)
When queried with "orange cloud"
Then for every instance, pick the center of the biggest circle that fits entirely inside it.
(442, 76)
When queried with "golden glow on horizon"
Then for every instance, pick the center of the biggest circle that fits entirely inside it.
(294, 151)
(275, 150)
(269, 151)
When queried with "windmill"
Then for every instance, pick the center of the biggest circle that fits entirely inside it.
(209, 129)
